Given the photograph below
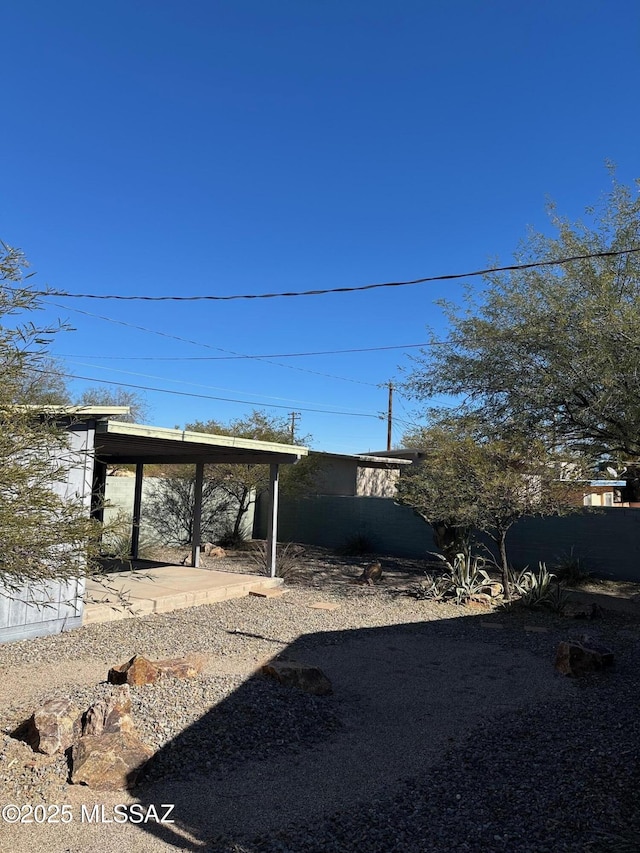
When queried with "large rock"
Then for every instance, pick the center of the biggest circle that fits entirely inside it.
(311, 679)
(139, 670)
(136, 671)
(581, 657)
(211, 550)
(109, 762)
(53, 727)
(110, 715)
(186, 667)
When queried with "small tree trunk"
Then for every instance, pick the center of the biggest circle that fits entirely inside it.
(242, 508)
(451, 540)
(506, 576)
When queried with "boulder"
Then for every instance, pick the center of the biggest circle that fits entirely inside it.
(576, 658)
(215, 551)
(108, 762)
(53, 727)
(136, 671)
(139, 670)
(110, 715)
(311, 679)
(186, 667)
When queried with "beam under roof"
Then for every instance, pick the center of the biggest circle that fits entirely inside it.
(125, 443)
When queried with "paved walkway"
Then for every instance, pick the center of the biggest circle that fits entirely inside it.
(159, 590)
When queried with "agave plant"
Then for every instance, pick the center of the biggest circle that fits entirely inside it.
(540, 589)
(433, 587)
(464, 578)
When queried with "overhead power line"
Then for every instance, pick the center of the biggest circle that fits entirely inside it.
(204, 396)
(232, 353)
(193, 384)
(356, 289)
(240, 357)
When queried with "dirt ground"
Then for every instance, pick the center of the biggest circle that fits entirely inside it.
(428, 667)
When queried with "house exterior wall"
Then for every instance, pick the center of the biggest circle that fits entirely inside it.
(376, 482)
(61, 602)
(603, 496)
(334, 476)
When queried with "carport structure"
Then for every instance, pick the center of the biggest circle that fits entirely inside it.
(119, 443)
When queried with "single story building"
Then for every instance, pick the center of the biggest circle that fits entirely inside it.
(96, 441)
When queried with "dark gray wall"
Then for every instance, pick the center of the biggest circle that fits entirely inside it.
(607, 540)
(330, 520)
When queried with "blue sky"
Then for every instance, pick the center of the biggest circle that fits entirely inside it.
(157, 147)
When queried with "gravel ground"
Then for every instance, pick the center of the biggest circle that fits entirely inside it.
(448, 729)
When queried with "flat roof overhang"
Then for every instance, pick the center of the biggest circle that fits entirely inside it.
(125, 443)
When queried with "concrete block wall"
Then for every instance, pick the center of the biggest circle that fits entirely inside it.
(607, 540)
(119, 502)
(331, 520)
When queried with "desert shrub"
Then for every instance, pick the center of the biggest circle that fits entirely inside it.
(540, 589)
(570, 569)
(356, 545)
(462, 579)
(233, 539)
(287, 558)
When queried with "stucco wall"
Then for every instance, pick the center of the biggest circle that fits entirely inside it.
(119, 502)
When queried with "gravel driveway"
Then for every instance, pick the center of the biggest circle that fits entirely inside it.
(444, 733)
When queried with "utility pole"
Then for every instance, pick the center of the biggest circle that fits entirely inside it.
(294, 417)
(390, 416)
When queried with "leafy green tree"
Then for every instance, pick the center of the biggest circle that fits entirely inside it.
(553, 351)
(45, 532)
(467, 482)
(137, 404)
(170, 507)
(243, 483)
(229, 491)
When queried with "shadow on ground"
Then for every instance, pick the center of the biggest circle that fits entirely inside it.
(269, 756)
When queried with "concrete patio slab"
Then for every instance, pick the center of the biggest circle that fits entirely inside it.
(161, 590)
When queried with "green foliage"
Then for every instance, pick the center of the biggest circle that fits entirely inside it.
(540, 589)
(45, 531)
(463, 579)
(552, 350)
(534, 587)
(470, 481)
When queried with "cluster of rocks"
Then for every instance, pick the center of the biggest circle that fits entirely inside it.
(105, 750)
